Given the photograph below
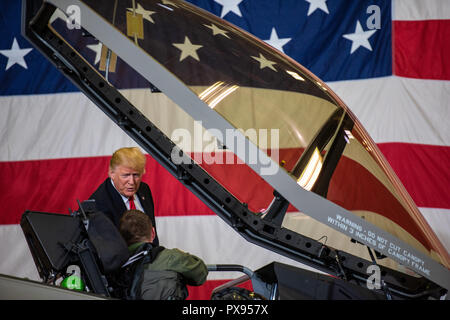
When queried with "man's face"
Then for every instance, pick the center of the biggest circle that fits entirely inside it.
(126, 180)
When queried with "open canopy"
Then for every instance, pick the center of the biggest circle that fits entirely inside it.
(254, 134)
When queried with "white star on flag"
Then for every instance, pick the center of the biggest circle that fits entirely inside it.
(146, 14)
(359, 38)
(317, 4)
(15, 55)
(188, 49)
(217, 31)
(264, 62)
(230, 5)
(276, 42)
(97, 48)
(58, 14)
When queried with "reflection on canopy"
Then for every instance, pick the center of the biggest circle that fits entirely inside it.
(320, 144)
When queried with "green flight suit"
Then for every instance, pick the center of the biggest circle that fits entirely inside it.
(165, 278)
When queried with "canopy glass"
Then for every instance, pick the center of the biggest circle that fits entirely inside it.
(277, 104)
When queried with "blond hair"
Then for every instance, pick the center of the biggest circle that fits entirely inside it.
(129, 157)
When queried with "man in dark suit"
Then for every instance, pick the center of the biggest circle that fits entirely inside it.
(123, 189)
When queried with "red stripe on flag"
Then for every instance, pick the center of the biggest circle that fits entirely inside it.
(46, 185)
(55, 185)
(204, 291)
(424, 171)
(353, 187)
(422, 49)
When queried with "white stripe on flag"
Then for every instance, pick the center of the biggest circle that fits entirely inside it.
(439, 221)
(396, 109)
(392, 109)
(190, 234)
(52, 126)
(420, 10)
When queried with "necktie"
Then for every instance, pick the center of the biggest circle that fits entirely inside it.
(131, 201)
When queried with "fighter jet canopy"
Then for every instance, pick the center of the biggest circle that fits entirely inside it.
(255, 135)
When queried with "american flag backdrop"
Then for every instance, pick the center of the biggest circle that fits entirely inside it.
(389, 61)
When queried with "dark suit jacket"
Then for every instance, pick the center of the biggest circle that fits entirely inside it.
(110, 202)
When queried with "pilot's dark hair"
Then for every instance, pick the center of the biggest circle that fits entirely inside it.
(135, 226)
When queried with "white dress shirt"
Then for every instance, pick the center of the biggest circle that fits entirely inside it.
(126, 201)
